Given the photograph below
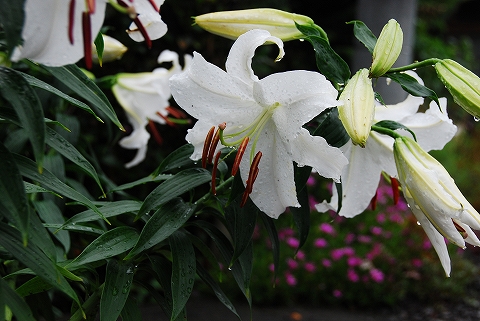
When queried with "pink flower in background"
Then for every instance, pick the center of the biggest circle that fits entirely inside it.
(336, 254)
(354, 261)
(376, 251)
(326, 263)
(311, 181)
(426, 244)
(349, 238)
(300, 255)
(417, 263)
(310, 267)
(352, 275)
(364, 239)
(337, 293)
(327, 228)
(376, 230)
(395, 217)
(292, 264)
(320, 243)
(293, 242)
(381, 218)
(377, 275)
(290, 279)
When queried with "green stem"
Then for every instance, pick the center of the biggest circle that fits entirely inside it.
(386, 131)
(418, 64)
(218, 188)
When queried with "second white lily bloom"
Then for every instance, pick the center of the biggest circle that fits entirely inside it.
(271, 111)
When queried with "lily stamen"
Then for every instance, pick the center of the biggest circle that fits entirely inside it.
(213, 145)
(252, 175)
(238, 157)
(91, 6)
(143, 31)
(460, 229)
(395, 190)
(214, 172)
(154, 5)
(373, 202)
(206, 146)
(156, 134)
(71, 20)
(87, 39)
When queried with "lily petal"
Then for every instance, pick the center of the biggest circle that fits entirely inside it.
(150, 19)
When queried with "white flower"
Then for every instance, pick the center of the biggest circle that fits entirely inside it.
(270, 111)
(150, 19)
(361, 176)
(436, 201)
(144, 96)
(51, 36)
(112, 50)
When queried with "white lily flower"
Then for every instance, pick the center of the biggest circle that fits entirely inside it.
(360, 178)
(149, 17)
(53, 35)
(144, 96)
(112, 50)
(435, 200)
(270, 111)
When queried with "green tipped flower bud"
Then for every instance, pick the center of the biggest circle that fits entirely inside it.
(232, 24)
(112, 50)
(462, 84)
(387, 49)
(358, 107)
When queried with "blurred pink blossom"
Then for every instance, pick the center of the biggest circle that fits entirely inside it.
(300, 255)
(293, 242)
(309, 266)
(377, 275)
(327, 228)
(337, 293)
(417, 263)
(352, 275)
(292, 264)
(320, 243)
(354, 261)
(349, 238)
(290, 279)
(326, 263)
(376, 230)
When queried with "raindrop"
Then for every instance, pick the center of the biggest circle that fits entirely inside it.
(418, 223)
(476, 119)
(115, 291)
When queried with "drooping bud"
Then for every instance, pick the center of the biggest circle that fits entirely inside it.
(387, 49)
(358, 107)
(232, 24)
(112, 50)
(463, 85)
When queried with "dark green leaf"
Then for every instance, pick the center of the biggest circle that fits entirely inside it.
(379, 98)
(32, 189)
(32, 257)
(50, 181)
(364, 34)
(118, 280)
(412, 86)
(9, 297)
(13, 198)
(311, 30)
(32, 286)
(269, 224)
(331, 128)
(34, 82)
(393, 125)
(301, 216)
(12, 21)
(39, 236)
(166, 220)
(51, 214)
(329, 63)
(130, 311)
(109, 210)
(61, 145)
(183, 271)
(23, 99)
(109, 244)
(173, 187)
(99, 45)
(176, 159)
(77, 81)
(237, 188)
(141, 181)
(75, 228)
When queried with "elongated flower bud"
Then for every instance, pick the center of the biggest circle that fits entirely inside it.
(112, 50)
(462, 84)
(358, 107)
(231, 24)
(387, 49)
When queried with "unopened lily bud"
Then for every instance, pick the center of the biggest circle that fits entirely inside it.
(232, 24)
(358, 107)
(387, 49)
(462, 84)
(112, 50)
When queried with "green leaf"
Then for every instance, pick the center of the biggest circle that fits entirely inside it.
(13, 198)
(35, 82)
(311, 30)
(241, 224)
(331, 128)
(141, 181)
(301, 217)
(32, 286)
(19, 307)
(183, 271)
(75, 228)
(12, 21)
(412, 86)
(364, 34)
(99, 45)
(176, 159)
(77, 81)
(166, 220)
(130, 311)
(51, 214)
(109, 210)
(61, 145)
(39, 236)
(393, 125)
(203, 274)
(50, 181)
(273, 235)
(173, 187)
(118, 281)
(32, 189)
(111, 243)
(329, 63)
(23, 99)
(32, 257)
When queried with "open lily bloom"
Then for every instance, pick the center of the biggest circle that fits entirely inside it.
(270, 111)
(150, 19)
(360, 178)
(435, 200)
(53, 35)
(144, 96)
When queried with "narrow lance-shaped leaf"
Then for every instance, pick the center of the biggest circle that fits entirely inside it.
(273, 235)
(77, 81)
(13, 198)
(21, 97)
(12, 22)
(364, 34)
(19, 307)
(183, 271)
(61, 145)
(176, 159)
(110, 209)
(118, 281)
(99, 46)
(412, 86)
(301, 216)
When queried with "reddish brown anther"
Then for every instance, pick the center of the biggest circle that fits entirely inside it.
(213, 146)
(252, 176)
(168, 121)
(177, 113)
(222, 126)
(87, 39)
(143, 31)
(460, 229)
(91, 6)
(373, 201)
(214, 172)
(240, 152)
(154, 5)
(71, 20)
(206, 146)
(156, 135)
(395, 190)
